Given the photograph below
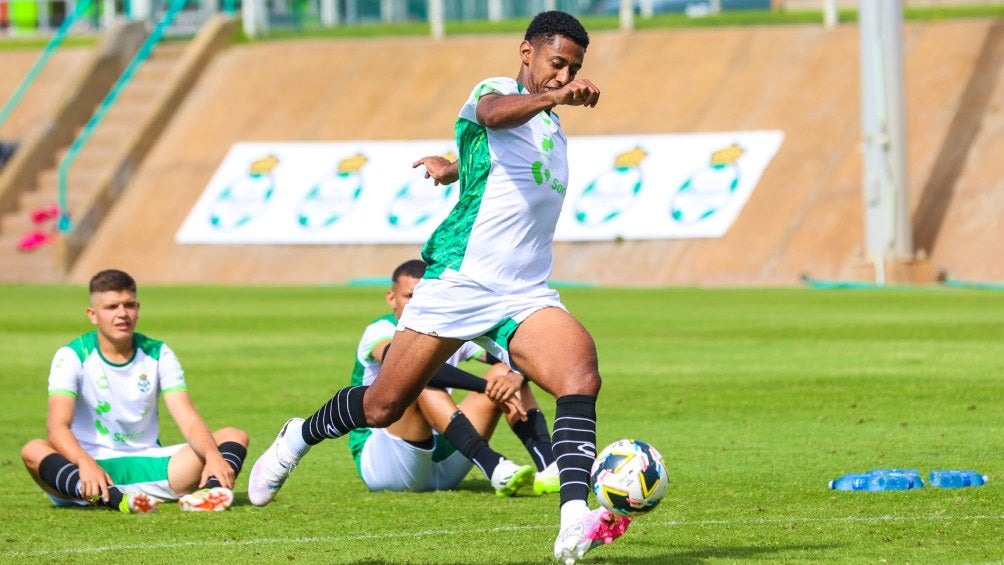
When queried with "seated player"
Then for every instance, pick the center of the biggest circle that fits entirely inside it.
(102, 423)
(408, 455)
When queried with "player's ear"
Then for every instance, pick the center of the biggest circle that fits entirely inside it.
(92, 315)
(525, 52)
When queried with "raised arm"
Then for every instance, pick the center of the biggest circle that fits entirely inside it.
(498, 111)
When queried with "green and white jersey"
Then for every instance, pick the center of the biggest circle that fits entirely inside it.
(116, 405)
(512, 186)
(366, 368)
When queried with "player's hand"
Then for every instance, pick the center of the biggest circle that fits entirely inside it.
(94, 481)
(514, 406)
(579, 92)
(438, 168)
(502, 383)
(217, 467)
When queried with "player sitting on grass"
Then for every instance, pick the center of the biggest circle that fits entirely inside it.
(102, 424)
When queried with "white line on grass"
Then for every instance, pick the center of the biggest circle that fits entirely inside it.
(467, 532)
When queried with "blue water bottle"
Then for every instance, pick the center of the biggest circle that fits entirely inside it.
(851, 481)
(895, 479)
(949, 478)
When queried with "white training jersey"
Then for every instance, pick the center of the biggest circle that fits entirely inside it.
(512, 186)
(116, 405)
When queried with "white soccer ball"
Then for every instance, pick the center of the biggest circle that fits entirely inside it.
(629, 477)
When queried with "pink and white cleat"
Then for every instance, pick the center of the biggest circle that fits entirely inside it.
(592, 529)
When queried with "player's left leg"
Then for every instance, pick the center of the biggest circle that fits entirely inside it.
(568, 369)
(534, 433)
(408, 365)
(185, 468)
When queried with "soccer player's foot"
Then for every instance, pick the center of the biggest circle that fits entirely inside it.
(594, 528)
(509, 477)
(138, 503)
(547, 480)
(272, 469)
(214, 499)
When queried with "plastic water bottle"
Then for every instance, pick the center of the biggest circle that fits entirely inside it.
(896, 479)
(878, 480)
(851, 481)
(947, 478)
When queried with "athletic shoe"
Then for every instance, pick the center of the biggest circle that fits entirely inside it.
(592, 529)
(138, 503)
(216, 499)
(509, 477)
(547, 480)
(272, 469)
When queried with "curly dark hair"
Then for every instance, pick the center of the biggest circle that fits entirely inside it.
(546, 25)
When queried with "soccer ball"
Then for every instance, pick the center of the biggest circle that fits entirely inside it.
(629, 477)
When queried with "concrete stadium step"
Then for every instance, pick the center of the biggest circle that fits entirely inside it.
(35, 266)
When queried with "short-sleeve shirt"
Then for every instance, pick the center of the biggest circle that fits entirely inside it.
(512, 186)
(366, 367)
(116, 404)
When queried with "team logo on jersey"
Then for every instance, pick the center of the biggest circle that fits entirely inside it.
(416, 203)
(613, 192)
(102, 382)
(245, 197)
(143, 384)
(334, 195)
(708, 189)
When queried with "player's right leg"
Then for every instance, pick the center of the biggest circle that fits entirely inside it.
(468, 428)
(568, 369)
(60, 479)
(408, 365)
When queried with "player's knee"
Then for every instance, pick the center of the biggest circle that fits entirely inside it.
(382, 414)
(232, 434)
(33, 452)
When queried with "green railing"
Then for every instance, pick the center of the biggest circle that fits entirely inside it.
(81, 7)
(123, 81)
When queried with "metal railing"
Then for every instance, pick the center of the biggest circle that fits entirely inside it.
(65, 224)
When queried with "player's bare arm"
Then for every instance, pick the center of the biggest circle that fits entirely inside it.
(199, 438)
(94, 480)
(499, 111)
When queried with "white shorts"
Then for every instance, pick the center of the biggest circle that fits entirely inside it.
(455, 306)
(390, 463)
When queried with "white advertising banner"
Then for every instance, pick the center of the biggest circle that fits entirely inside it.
(624, 186)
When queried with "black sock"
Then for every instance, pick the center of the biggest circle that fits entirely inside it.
(461, 433)
(343, 413)
(533, 433)
(63, 476)
(234, 454)
(575, 444)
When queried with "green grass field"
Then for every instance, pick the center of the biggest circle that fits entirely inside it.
(757, 398)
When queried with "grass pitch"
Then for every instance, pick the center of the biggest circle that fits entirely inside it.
(756, 397)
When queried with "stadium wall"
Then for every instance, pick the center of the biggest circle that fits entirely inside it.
(805, 216)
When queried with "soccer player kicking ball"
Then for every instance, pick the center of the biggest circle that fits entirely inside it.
(487, 279)
(104, 390)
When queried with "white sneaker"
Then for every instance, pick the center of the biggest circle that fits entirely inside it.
(509, 477)
(547, 480)
(272, 469)
(216, 499)
(594, 528)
